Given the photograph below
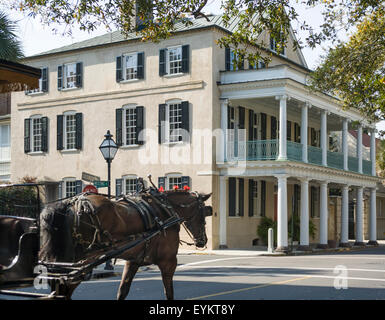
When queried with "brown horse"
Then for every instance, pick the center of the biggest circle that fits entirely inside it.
(115, 221)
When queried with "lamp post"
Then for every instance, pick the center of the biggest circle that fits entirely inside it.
(108, 149)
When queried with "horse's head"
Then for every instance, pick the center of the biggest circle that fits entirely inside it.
(191, 207)
(55, 233)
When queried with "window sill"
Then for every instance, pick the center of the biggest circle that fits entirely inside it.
(180, 74)
(40, 93)
(70, 151)
(131, 146)
(236, 217)
(129, 81)
(70, 89)
(36, 153)
(173, 143)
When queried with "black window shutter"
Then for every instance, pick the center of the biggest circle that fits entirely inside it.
(241, 117)
(140, 66)
(139, 124)
(312, 137)
(251, 197)
(162, 182)
(27, 135)
(185, 58)
(162, 62)
(161, 123)
(78, 186)
(60, 77)
(118, 187)
(273, 129)
(44, 134)
(263, 198)
(79, 74)
(60, 190)
(44, 80)
(119, 124)
(60, 132)
(227, 58)
(185, 121)
(185, 181)
(119, 68)
(241, 198)
(288, 131)
(263, 126)
(79, 130)
(251, 125)
(232, 196)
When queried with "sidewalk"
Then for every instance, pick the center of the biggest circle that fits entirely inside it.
(262, 251)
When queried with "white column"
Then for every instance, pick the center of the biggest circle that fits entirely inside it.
(323, 234)
(359, 148)
(282, 214)
(304, 222)
(222, 150)
(304, 132)
(324, 140)
(345, 149)
(373, 151)
(282, 127)
(360, 217)
(373, 218)
(223, 212)
(344, 242)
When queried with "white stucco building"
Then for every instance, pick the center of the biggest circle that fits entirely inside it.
(273, 160)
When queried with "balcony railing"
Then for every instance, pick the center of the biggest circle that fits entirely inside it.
(261, 150)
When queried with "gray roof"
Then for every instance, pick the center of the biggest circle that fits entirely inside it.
(117, 36)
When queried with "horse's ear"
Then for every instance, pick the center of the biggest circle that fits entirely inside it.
(205, 196)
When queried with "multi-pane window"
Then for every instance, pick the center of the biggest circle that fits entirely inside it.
(131, 66)
(70, 188)
(70, 131)
(174, 181)
(274, 47)
(130, 185)
(130, 126)
(36, 134)
(70, 75)
(175, 60)
(5, 142)
(175, 122)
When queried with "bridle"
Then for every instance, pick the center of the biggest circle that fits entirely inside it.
(201, 207)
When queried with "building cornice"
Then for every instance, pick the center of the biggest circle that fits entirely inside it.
(108, 95)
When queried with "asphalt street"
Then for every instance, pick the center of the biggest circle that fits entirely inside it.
(335, 276)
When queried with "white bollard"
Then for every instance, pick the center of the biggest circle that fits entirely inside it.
(270, 240)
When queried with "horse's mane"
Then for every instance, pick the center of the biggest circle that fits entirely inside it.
(55, 231)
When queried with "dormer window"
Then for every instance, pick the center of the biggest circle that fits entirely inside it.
(274, 47)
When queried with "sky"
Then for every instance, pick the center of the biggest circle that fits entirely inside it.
(38, 38)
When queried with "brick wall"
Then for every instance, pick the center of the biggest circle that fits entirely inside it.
(5, 104)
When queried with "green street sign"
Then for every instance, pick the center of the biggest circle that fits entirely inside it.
(100, 184)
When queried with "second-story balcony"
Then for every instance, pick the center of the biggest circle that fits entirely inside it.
(262, 150)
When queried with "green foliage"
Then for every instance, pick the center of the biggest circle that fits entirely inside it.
(354, 70)
(275, 17)
(297, 228)
(19, 201)
(10, 46)
(264, 226)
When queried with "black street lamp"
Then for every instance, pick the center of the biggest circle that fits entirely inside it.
(108, 149)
